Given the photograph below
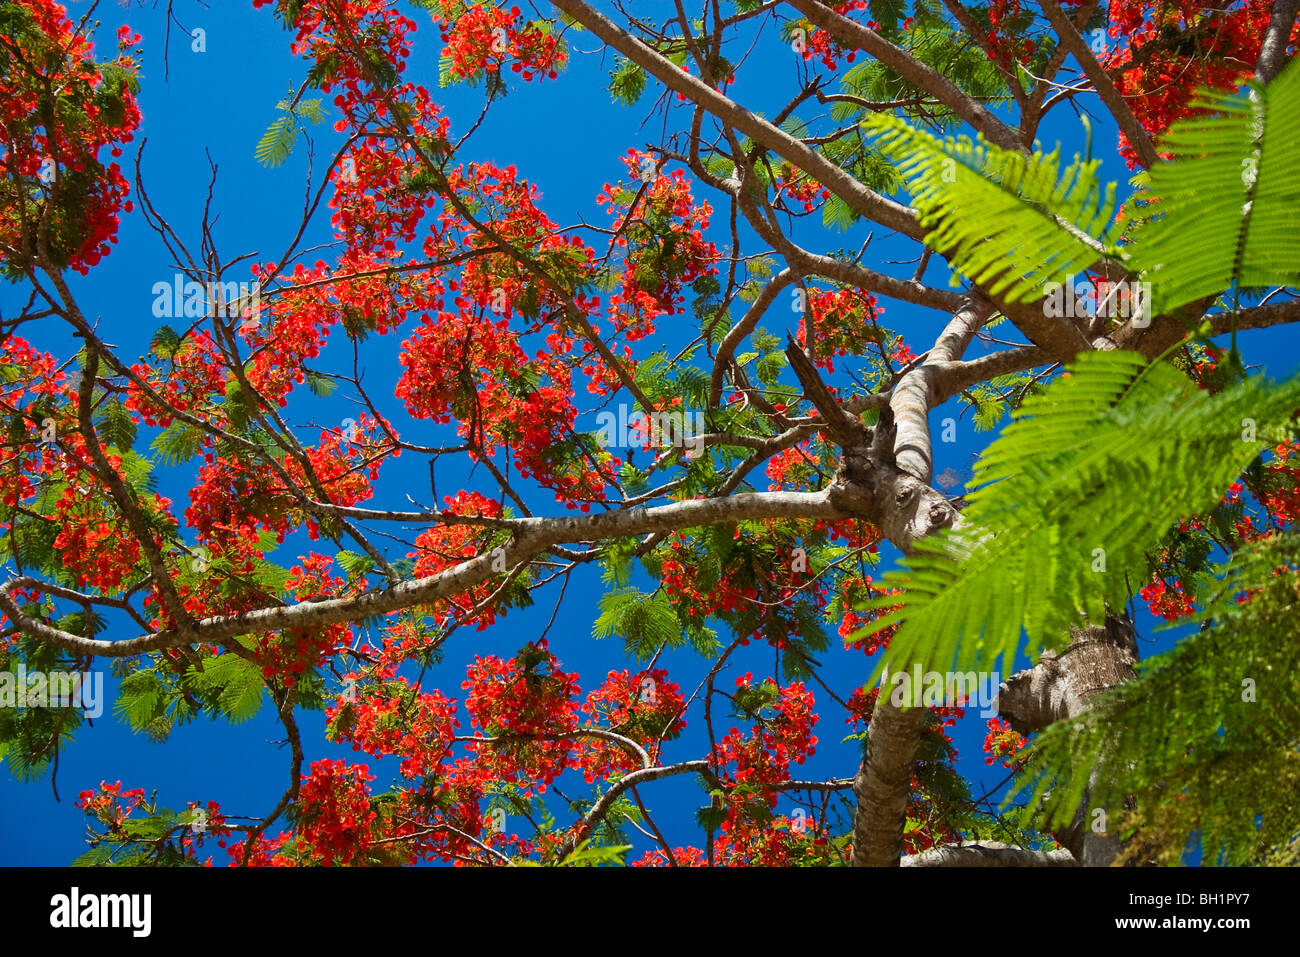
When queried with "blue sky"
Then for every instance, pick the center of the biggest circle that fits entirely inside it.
(566, 137)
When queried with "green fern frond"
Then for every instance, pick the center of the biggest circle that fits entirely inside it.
(627, 82)
(645, 622)
(178, 443)
(1007, 221)
(1069, 499)
(1205, 738)
(1222, 213)
(276, 143)
(312, 110)
(116, 427)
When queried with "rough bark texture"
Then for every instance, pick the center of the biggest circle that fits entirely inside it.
(889, 482)
(1061, 687)
(884, 784)
(989, 854)
(900, 61)
(865, 201)
(1272, 53)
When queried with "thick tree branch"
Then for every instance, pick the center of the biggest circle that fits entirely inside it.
(1272, 54)
(911, 69)
(1102, 83)
(988, 854)
(885, 780)
(864, 201)
(533, 537)
(1060, 688)
(914, 395)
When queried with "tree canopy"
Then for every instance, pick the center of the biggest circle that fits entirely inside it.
(703, 421)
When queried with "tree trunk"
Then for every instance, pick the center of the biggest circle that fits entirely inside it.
(1060, 688)
(988, 854)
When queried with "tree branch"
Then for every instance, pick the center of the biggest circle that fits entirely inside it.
(1272, 54)
(864, 201)
(533, 536)
(912, 70)
(988, 854)
(1102, 83)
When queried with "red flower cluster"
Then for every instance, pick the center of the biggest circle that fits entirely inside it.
(189, 380)
(662, 229)
(821, 44)
(774, 743)
(1170, 49)
(486, 37)
(58, 110)
(807, 192)
(528, 701)
(1003, 743)
(781, 735)
(111, 805)
(299, 649)
(856, 590)
(844, 323)
(1281, 492)
(645, 707)
(442, 546)
(796, 466)
(1166, 599)
(336, 823)
(683, 856)
(94, 541)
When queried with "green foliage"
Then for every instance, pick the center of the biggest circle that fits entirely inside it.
(991, 401)
(34, 729)
(1095, 469)
(140, 699)
(934, 43)
(278, 140)
(311, 109)
(616, 560)
(799, 655)
(320, 385)
(1089, 474)
(710, 816)
(1007, 221)
(1205, 738)
(238, 408)
(752, 701)
(153, 698)
(627, 82)
(867, 166)
(656, 379)
(166, 343)
(586, 854)
(150, 837)
(354, 563)
(645, 621)
(1222, 214)
(178, 443)
(115, 426)
(231, 684)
